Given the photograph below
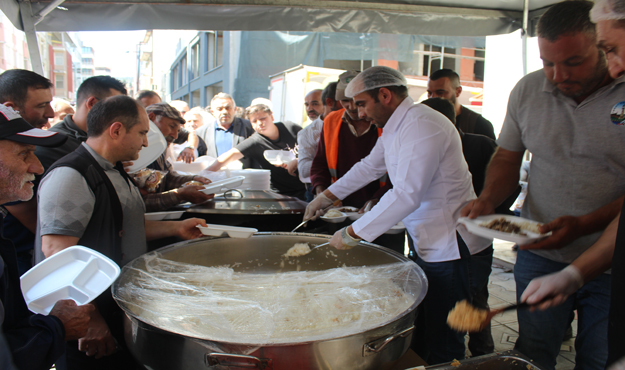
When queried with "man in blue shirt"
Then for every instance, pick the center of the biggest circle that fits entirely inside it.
(228, 130)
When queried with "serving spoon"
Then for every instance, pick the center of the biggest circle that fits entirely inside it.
(497, 311)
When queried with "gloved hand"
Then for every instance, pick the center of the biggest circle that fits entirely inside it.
(342, 240)
(313, 210)
(553, 289)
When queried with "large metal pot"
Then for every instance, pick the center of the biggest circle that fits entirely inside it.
(377, 348)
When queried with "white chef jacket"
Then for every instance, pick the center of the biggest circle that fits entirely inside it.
(422, 153)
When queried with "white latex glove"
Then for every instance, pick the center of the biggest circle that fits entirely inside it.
(313, 210)
(553, 289)
(342, 240)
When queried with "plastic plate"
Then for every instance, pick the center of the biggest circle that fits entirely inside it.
(477, 226)
(157, 216)
(156, 146)
(232, 231)
(334, 220)
(78, 273)
(227, 184)
(278, 157)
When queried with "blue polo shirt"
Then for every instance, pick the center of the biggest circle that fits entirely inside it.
(223, 138)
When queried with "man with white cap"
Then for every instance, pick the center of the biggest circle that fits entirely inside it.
(34, 341)
(421, 151)
(609, 250)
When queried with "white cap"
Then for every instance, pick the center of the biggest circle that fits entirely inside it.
(373, 78)
(605, 10)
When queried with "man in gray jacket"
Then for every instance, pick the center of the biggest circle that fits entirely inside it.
(228, 131)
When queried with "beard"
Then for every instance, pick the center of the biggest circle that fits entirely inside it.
(588, 85)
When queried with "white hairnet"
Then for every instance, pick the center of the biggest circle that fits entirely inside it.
(605, 10)
(374, 77)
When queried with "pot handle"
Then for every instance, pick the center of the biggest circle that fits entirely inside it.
(228, 359)
(378, 345)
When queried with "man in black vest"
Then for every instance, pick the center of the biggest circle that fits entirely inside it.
(445, 84)
(87, 198)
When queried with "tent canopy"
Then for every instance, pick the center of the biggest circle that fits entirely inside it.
(423, 17)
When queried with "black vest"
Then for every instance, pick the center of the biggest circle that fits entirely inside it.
(105, 229)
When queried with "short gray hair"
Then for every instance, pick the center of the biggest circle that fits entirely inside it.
(223, 95)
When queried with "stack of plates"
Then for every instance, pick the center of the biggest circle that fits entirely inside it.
(254, 179)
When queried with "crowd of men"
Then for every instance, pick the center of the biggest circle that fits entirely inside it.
(367, 144)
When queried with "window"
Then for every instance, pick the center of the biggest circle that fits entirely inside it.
(215, 49)
(87, 60)
(59, 59)
(176, 78)
(195, 60)
(427, 59)
(184, 73)
(219, 59)
(59, 81)
(213, 90)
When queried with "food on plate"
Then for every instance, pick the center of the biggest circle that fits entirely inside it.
(334, 213)
(347, 209)
(466, 317)
(297, 250)
(506, 226)
(455, 363)
(149, 179)
(193, 183)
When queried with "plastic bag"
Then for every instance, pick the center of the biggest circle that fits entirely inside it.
(218, 303)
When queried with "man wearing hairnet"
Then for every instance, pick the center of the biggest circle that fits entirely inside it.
(422, 153)
(609, 250)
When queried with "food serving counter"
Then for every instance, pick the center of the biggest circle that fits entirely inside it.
(264, 210)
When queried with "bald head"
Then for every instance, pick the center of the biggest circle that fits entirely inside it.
(314, 106)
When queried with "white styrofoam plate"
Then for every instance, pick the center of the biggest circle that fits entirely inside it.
(398, 228)
(222, 185)
(157, 216)
(232, 231)
(78, 273)
(476, 226)
(278, 157)
(334, 220)
(156, 146)
(193, 167)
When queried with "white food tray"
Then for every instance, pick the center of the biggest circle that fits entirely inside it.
(231, 231)
(156, 146)
(474, 226)
(78, 273)
(278, 157)
(221, 185)
(157, 216)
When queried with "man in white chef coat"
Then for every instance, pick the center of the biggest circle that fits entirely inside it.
(422, 153)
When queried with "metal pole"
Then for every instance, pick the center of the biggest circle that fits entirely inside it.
(26, 13)
(524, 35)
(45, 11)
(138, 67)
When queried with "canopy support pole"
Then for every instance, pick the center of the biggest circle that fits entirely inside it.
(31, 36)
(524, 35)
(45, 11)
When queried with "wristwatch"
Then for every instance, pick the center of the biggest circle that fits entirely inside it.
(348, 240)
(190, 147)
